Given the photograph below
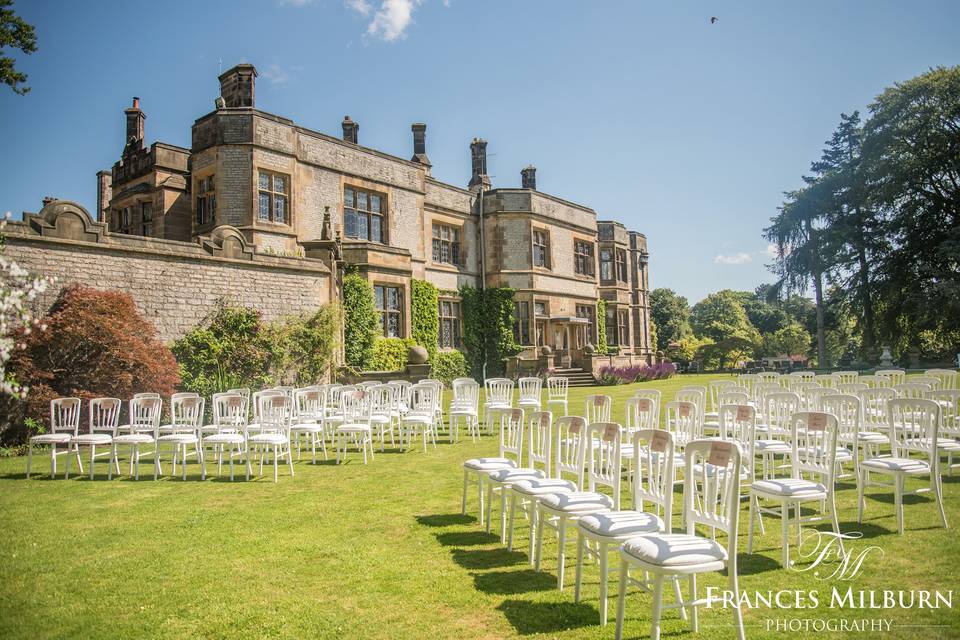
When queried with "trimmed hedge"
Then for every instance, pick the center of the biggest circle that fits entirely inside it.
(446, 366)
(390, 354)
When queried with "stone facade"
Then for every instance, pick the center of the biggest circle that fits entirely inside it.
(271, 182)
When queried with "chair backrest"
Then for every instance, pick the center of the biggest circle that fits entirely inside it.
(404, 386)
(146, 394)
(466, 393)
(714, 389)
(948, 377)
(229, 412)
(873, 407)
(557, 388)
(243, 391)
(895, 376)
(423, 398)
(949, 401)
(762, 390)
(530, 388)
(738, 422)
(145, 414)
(653, 476)
(912, 390)
(914, 424)
(852, 387)
(274, 413)
(365, 384)
(732, 396)
(641, 413)
(104, 415)
(499, 391)
(813, 398)
(871, 380)
(848, 411)
(65, 415)
(186, 413)
(570, 436)
(310, 404)
(800, 387)
(682, 422)
(844, 377)
(778, 409)
(932, 381)
(825, 380)
(814, 438)
(605, 466)
(747, 381)
(693, 393)
(540, 440)
(511, 435)
(260, 395)
(382, 400)
(802, 376)
(769, 376)
(711, 489)
(597, 407)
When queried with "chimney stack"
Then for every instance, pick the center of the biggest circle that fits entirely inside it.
(351, 130)
(237, 86)
(528, 177)
(478, 161)
(135, 118)
(420, 144)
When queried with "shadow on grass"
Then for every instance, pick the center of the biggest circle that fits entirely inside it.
(445, 519)
(546, 617)
(753, 564)
(487, 558)
(466, 538)
(513, 582)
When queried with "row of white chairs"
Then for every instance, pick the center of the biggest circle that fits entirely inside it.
(591, 455)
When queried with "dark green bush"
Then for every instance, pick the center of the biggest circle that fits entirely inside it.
(448, 365)
(425, 321)
(361, 323)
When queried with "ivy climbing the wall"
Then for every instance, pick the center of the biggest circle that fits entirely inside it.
(425, 320)
(601, 346)
(488, 329)
(361, 323)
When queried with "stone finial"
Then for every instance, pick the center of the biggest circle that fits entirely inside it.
(326, 231)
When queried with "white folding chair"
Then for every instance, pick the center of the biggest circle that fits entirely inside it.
(529, 399)
(184, 430)
(308, 421)
(104, 419)
(230, 423)
(64, 427)
(143, 428)
(421, 416)
(464, 406)
(354, 423)
(558, 389)
(597, 408)
(710, 498)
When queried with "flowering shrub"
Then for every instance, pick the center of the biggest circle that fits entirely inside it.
(635, 373)
(17, 290)
(96, 344)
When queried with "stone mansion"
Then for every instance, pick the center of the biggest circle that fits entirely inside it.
(268, 211)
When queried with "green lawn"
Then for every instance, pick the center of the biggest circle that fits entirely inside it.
(378, 551)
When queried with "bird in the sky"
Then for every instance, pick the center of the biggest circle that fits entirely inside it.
(713, 19)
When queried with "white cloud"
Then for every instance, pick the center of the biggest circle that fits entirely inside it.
(360, 6)
(275, 75)
(733, 258)
(392, 19)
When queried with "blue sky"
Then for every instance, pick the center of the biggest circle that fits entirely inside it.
(684, 130)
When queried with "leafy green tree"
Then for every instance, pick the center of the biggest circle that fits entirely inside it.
(361, 323)
(763, 315)
(911, 157)
(15, 33)
(790, 340)
(671, 314)
(721, 317)
(686, 348)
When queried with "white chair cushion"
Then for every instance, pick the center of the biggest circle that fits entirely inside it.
(134, 438)
(52, 438)
(773, 446)
(267, 438)
(902, 465)
(418, 418)
(871, 437)
(93, 438)
(674, 549)
(311, 427)
(791, 487)
(489, 464)
(944, 444)
(621, 524)
(578, 502)
(543, 486)
(225, 438)
(179, 438)
(353, 428)
(513, 473)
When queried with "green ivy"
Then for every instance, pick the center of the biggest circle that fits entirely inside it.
(488, 329)
(361, 323)
(390, 354)
(424, 312)
(601, 346)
